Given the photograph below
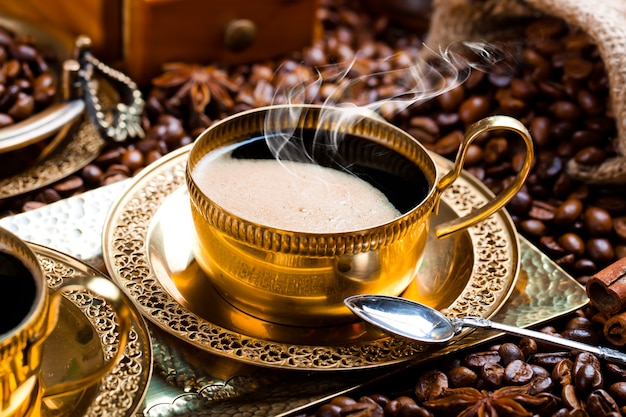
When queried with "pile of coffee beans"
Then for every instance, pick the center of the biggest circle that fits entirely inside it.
(27, 82)
(513, 378)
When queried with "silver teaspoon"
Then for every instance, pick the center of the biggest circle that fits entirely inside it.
(419, 322)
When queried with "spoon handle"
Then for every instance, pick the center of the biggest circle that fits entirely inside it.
(608, 354)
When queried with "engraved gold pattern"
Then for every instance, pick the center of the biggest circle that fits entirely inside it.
(72, 154)
(126, 258)
(121, 391)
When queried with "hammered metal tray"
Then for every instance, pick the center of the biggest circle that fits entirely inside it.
(85, 335)
(147, 251)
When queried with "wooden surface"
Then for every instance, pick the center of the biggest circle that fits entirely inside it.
(141, 35)
(98, 19)
(159, 31)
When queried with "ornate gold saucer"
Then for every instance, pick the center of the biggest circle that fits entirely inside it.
(84, 337)
(75, 148)
(147, 250)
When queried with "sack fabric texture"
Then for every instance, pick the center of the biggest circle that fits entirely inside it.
(604, 21)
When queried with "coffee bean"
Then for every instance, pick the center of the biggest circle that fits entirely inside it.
(69, 185)
(598, 221)
(518, 372)
(452, 99)
(600, 251)
(600, 403)
(133, 159)
(474, 109)
(92, 174)
(590, 155)
(572, 243)
(431, 385)
(463, 376)
(568, 212)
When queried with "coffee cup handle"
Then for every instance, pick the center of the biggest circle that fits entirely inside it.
(104, 288)
(498, 122)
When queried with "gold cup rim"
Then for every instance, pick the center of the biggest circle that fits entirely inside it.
(243, 125)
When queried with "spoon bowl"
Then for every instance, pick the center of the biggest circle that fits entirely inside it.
(419, 322)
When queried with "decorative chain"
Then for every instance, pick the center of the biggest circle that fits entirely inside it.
(125, 122)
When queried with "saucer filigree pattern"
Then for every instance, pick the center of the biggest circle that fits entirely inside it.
(125, 255)
(73, 153)
(121, 391)
(491, 240)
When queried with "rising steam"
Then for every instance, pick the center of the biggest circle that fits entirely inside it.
(415, 84)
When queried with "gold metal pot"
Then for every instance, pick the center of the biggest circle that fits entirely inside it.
(298, 278)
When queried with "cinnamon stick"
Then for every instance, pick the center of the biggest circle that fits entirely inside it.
(615, 329)
(607, 288)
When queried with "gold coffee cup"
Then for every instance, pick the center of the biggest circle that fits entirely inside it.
(29, 315)
(301, 278)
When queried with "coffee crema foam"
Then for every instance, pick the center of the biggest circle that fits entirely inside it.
(294, 196)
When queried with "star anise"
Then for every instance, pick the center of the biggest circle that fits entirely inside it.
(470, 402)
(199, 85)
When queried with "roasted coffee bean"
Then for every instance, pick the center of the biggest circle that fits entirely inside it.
(570, 398)
(492, 375)
(615, 372)
(451, 100)
(477, 360)
(600, 404)
(33, 205)
(534, 228)
(521, 203)
(431, 385)
(598, 221)
(133, 159)
(562, 372)
(582, 335)
(592, 374)
(379, 399)
(618, 392)
(590, 155)
(449, 144)
(69, 185)
(548, 359)
(509, 352)
(528, 346)
(474, 109)
(92, 174)
(48, 195)
(328, 410)
(550, 246)
(395, 406)
(568, 212)
(109, 156)
(600, 251)
(540, 384)
(518, 372)
(463, 376)
(572, 243)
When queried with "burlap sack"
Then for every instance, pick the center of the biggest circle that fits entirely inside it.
(603, 20)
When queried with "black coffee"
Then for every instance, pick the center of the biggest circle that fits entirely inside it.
(19, 289)
(398, 178)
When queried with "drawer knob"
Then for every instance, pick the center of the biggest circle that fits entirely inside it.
(239, 34)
